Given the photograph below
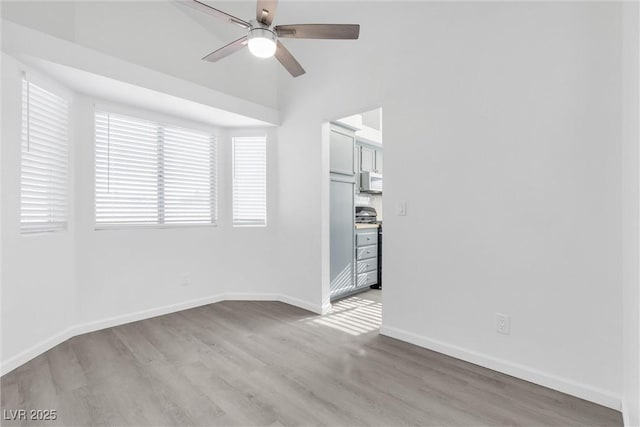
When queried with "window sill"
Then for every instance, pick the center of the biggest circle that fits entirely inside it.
(116, 227)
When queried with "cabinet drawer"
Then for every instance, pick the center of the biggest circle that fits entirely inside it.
(366, 239)
(367, 279)
(367, 265)
(367, 252)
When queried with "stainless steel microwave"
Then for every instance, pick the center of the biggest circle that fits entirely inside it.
(370, 182)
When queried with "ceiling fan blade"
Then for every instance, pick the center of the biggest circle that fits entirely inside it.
(319, 31)
(288, 61)
(205, 8)
(227, 50)
(266, 11)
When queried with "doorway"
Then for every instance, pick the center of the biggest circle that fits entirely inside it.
(355, 178)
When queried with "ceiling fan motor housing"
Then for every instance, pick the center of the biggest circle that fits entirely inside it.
(262, 42)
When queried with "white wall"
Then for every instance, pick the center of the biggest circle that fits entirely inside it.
(127, 271)
(631, 213)
(60, 284)
(2, 138)
(38, 271)
(102, 278)
(501, 131)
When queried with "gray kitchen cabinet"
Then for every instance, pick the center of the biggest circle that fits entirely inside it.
(366, 252)
(366, 257)
(367, 265)
(367, 158)
(370, 158)
(378, 164)
(366, 237)
(341, 143)
(342, 275)
(367, 279)
(342, 148)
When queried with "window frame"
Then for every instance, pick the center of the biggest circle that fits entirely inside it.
(160, 122)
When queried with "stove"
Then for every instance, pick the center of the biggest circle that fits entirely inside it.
(366, 215)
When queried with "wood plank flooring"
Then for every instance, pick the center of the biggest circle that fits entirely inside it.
(268, 363)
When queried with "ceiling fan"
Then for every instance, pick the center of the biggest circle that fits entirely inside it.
(262, 37)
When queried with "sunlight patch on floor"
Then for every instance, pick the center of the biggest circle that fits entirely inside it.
(354, 316)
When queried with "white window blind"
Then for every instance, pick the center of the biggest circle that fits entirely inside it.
(44, 160)
(249, 181)
(189, 177)
(148, 173)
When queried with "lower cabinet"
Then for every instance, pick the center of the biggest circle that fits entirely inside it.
(358, 268)
(367, 279)
(367, 265)
(366, 257)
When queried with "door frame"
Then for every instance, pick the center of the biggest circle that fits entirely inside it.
(325, 232)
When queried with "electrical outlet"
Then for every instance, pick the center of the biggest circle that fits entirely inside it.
(503, 323)
(401, 208)
(186, 281)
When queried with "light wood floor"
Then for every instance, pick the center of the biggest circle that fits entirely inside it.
(268, 363)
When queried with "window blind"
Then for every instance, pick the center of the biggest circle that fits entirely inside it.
(189, 177)
(249, 181)
(148, 173)
(44, 160)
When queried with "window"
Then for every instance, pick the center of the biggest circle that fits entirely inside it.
(149, 173)
(44, 160)
(249, 181)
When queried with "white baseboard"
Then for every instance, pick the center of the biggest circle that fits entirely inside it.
(626, 417)
(249, 296)
(83, 328)
(35, 351)
(564, 385)
(326, 307)
(315, 308)
(144, 314)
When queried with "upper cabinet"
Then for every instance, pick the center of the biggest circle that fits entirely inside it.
(370, 158)
(367, 158)
(378, 167)
(341, 149)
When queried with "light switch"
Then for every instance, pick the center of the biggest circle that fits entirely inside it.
(401, 208)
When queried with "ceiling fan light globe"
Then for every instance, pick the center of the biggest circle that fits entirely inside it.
(262, 42)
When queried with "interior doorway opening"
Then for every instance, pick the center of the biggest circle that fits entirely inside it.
(355, 220)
